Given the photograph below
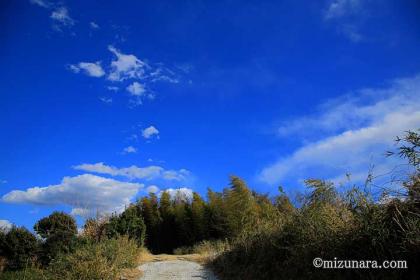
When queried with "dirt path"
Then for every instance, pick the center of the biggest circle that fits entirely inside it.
(167, 267)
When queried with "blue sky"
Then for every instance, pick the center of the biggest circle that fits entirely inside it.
(102, 102)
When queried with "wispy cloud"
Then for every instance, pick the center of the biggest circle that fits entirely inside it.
(86, 194)
(104, 99)
(59, 14)
(350, 134)
(62, 17)
(129, 150)
(113, 88)
(94, 25)
(346, 15)
(92, 69)
(148, 173)
(41, 3)
(342, 8)
(150, 132)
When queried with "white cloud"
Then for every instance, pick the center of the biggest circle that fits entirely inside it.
(176, 175)
(86, 194)
(5, 225)
(355, 133)
(94, 25)
(41, 3)
(129, 150)
(93, 69)
(150, 132)
(180, 193)
(61, 16)
(136, 89)
(126, 66)
(152, 189)
(135, 172)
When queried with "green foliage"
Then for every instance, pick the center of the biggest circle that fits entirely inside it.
(199, 226)
(215, 216)
(26, 274)
(150, 211)
(347, 226)
(409, 146)
(240, 206)
(57, 222)
(20, 247)
(129, 223)
(59, 232)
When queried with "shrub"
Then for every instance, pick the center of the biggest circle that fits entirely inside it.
(96, 261)
(26, 274)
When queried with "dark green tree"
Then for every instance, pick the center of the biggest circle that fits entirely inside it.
(129, 223)
(199, 225)
(20, 247)
(59, 233)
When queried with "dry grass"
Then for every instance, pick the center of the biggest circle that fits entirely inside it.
(131, 274)
(147, 257)
(3, 263)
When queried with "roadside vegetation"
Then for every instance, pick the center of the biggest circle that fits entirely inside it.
(241, 233)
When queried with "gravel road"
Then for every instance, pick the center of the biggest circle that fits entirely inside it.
(175, 269)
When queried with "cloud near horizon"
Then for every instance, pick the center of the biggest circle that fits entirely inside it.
(356, 135)
(86, 194)
(182, 193)
(147, 173)
(5, 225)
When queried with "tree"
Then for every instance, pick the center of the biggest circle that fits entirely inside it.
(57, 222)
(129, 223)
(19, 247)
(167, 227)
(216, 215)
(198, 208)
(94, 229)
(241, 207)
(321, 192)
(150, 212)
(282, 203)
(59, 232)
